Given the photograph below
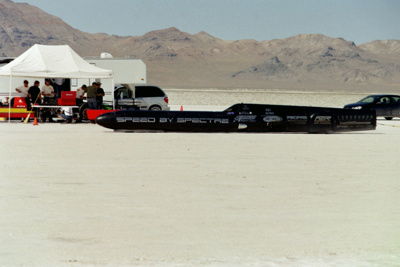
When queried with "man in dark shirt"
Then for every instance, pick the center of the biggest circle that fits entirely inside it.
(91, 96)
(34, 97)
(99, 95)
(34, 93)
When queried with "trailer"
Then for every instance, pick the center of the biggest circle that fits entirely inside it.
(126, 71)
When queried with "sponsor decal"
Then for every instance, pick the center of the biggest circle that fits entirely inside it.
(297, 119)
(322, 120)
(272, 118)
(245, 118)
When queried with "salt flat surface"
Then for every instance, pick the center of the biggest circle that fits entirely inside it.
(226, 98)
(83, 195)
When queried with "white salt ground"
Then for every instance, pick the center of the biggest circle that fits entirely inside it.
(83, 195)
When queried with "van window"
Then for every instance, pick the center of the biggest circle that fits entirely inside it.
(125, 92)
(148, 91)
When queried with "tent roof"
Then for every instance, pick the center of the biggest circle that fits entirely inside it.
(53, 61)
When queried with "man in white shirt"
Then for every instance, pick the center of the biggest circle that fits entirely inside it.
(47, 92)
(23, 89)
(80, 92)
(22, 92)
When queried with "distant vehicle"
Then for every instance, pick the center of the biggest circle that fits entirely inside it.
(387, 106)
(143, 97)
(136, 97)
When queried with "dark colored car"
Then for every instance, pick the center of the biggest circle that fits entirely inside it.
(387, 106)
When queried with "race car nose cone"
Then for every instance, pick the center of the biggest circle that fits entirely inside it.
(106, 120)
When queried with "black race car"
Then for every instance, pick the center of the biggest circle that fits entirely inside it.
(243, 118)
(387, 106)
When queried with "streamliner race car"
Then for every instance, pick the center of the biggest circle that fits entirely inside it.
(243, 118)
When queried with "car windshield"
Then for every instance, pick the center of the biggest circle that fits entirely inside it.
(368, 99)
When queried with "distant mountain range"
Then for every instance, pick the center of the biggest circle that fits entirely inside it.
(180, 60)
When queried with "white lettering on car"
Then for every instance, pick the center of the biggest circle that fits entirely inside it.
(170, 120)
(136, 119)
(164, 120)
(203, 120)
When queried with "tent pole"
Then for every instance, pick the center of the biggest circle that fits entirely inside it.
(9, 101)
(112, 93)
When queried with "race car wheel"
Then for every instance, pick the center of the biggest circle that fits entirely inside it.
(82, 112)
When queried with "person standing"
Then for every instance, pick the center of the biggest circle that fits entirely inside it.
(23, 89)
(58, 84)
(34, 96)
(34, 93)
(48, 92)
(91, 96)
(22, 92)
(99, 95)
(80, 92)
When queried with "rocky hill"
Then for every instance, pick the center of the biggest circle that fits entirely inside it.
(178, 59)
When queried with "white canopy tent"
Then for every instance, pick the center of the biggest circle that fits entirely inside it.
(52, 61)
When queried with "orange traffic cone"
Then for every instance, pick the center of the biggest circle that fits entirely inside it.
(181, 108)
(35, 121)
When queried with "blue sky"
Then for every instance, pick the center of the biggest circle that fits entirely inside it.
(360, 21)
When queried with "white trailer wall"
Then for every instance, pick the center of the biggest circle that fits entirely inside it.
(126, 70)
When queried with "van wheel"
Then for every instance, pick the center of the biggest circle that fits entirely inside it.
(155, 108)
(388, 118)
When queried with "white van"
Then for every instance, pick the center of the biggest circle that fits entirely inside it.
(143, 97)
